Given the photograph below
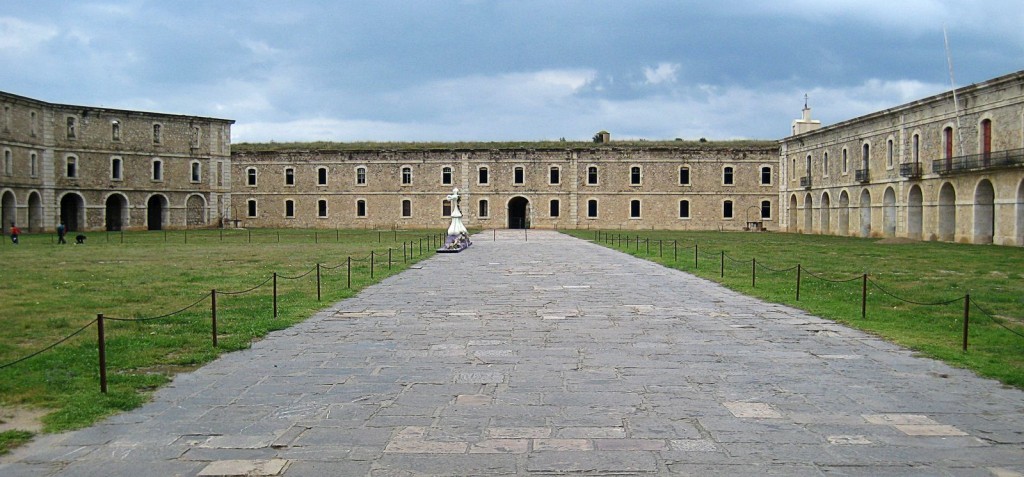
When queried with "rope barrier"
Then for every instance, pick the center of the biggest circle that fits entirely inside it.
(819, 277)
(297, 277)
(247, 290)
(37, 353)
(204, 297)
(735, 260)
(770, 269)
(994, 320)
(883, 290)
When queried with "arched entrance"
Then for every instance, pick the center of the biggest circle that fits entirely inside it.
(947, 213)
(865, 214)
(195, 211)
(8, 211)
(72, 212)
(808, 214)
(1020, 213)
(156, 212)
(889, 212)
(984, 212)
(792, 214)
(117, 212)
(915, 205)
(826, 225)
(844, 213)
(35, 212)
(519, 213)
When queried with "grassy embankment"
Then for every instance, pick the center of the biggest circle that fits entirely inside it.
(923, 272)
(51, 291)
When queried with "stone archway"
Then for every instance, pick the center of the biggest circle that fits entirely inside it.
(156, 212)
(826, 221)
(984, 212)
(889, 212)
(844, 213)
(519, 213)
(792, 214)
(116, 212)
(808, 214)
(72, 212)
(947, 213)
(915, 216)
(865, 213)
(195, 211)
(8, 211)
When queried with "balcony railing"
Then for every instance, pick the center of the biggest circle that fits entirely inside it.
(805, 182)
(862, 175)
(911, 170)
(1011, 157)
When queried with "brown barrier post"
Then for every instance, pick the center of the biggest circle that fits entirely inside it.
(967, 316)
(421, 245)
(494, 235)
(275, 294)
(186, 236)
(318, 281)
(103, 353)
(403, 252)
(753, 272)
(722, 275)
(371, 264)
(316, 237)
(648, 243)
(213, 315)
(349, 273)
(675, 251)
(695, 256)
(864, 298)
(798, 270)
(379, 240)
(389, 258)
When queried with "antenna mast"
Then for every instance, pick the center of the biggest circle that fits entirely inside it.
(952, 82)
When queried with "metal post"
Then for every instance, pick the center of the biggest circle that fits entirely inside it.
(213, 315)
(723, 264)
(753, 272)
(103, 353)
(371, 264)
(379, 240)
(798, 270)
(316, 237)
(494, 235)
(349, 273)
(967, 316)
(389, 258)
(864, 298)
(660, 254)
(403, 252)
(675, 250)
(318, 281)
(526, 234)
(695, 255)
(647, 242)
(278, 236)
(275, 294)
(186, 235)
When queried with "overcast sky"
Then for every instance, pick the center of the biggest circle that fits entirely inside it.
(479, 70)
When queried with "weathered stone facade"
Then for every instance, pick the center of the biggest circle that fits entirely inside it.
(928, 170)
(108, 169)
(588, 187)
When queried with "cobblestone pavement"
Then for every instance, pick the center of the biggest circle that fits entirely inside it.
(555, 356)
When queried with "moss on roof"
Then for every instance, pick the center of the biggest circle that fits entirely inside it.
(423, 146)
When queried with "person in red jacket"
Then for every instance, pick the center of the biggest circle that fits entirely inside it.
(15, 232)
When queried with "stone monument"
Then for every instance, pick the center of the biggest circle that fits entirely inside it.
(458, 236)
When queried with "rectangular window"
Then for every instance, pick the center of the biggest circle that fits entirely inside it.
(406, 208)
(482, 176)
(321, 176)
(406, 175)
(289, 209)
(289, 176)
(197, 172)
(554, 175)
(846, 161)
(727, 178)
(116, 167)
(684, 209)
(321, 208)
(766, 209)
(634, 209)
(158, 170)
(592, 175)
(684, 176)
(250, 176)
(517, 175)
(824, 164)
(766, 175)
(634, 175)
(360, 208)
(71, 167)
(592, 208)
(33, 164)
(8, 163)
(252, 207)
(483, 209)
(727, 209)
(554, 208)
(446, 175)
(360, 176)
(446, 208)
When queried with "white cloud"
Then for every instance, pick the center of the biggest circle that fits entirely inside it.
(19, 37)
(664, 73)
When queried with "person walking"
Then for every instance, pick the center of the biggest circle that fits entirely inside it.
(60, 233)
(15, 232)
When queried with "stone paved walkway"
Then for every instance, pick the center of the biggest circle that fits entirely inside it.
(555, 356)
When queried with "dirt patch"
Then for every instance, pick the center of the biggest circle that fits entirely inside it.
(896, 241)
(21, 418)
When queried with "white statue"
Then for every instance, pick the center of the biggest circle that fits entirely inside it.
(456, 227)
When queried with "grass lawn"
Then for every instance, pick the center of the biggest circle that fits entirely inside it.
(898, 271)
(50, 292)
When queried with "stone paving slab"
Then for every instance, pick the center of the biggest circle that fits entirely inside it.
(540, 354)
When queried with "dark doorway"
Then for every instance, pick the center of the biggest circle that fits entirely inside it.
(8, 214)
(155, 213)
(116, 208)
(518, 213)
(71, 210)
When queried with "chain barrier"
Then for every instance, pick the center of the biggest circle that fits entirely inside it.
(48, 348)
(994, 320)
(819, 277)
(780, 270)
(887, 292)
(166, 315)
(247, 290)
(298, 276)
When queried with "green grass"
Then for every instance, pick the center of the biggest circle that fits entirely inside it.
(12, 439)
(52, 291)
(924, 272)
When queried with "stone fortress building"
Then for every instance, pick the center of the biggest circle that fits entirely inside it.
(949, 167)
(927, 170)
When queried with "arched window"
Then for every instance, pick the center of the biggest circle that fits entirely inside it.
(947, 141)
(824, 164)
(33, 164)
(406, 175)
(727, 178)
(71, 167)
(321, 208)
(197, 171)
(360, 175)
(251, 203)
(634, 209)
(483, 211)
(592, 208)
(250, 176)
(360, 208)
(684, 176)
(517, 175)
(116, 169)
(634, 175)
(592, 178)
(865, 156)
(289, 209)
(766, 209)
(406, 208)
(890, 152)
(289, 176)
(8, 163)
(321, 176)
(846, 161)
(446, 175)
(727, 209)
(915, 148)
(766, 175)
(684, 209)
(158, 170)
